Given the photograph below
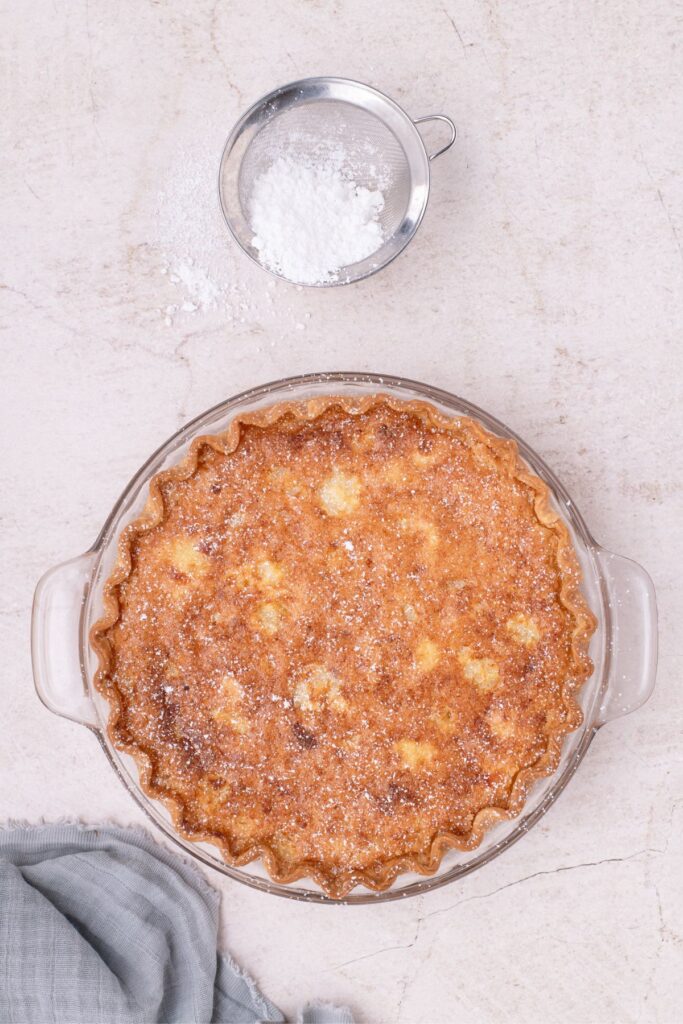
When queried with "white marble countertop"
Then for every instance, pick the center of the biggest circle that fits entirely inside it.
(544, 285)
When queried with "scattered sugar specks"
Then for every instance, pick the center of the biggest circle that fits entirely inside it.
(201, 271)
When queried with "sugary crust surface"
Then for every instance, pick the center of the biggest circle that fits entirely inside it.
(344, 636)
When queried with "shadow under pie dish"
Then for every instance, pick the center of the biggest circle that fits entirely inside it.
(344, 636)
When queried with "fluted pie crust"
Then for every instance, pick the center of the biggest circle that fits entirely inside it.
(344, 636)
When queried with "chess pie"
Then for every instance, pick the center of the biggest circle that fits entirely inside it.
(344, 636)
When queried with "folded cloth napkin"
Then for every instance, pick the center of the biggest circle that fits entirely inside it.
(103, 925)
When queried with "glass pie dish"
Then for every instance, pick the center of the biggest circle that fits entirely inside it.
(68, 600)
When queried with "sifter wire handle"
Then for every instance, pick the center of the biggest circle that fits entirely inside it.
(446, 120)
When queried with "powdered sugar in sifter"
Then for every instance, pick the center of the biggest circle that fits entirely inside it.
(382, 146)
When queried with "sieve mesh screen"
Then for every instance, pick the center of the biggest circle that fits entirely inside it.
(370, 153)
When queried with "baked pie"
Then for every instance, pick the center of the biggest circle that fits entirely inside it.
(344, 636)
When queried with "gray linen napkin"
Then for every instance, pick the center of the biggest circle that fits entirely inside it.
(103, 925)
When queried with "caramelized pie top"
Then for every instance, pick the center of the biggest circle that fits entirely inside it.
(344, 636)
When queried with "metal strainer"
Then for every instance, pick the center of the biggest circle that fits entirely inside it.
(381, 145)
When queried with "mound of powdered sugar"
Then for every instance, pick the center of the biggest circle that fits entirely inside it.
(310, 219)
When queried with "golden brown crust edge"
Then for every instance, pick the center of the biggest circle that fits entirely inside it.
(570, 596)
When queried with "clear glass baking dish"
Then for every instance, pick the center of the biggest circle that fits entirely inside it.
(624, 648)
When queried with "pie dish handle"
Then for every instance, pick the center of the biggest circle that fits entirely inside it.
(58, 670)
(633, 638)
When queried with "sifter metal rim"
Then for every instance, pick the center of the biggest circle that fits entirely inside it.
(319, 88)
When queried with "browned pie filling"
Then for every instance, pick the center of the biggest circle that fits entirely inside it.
(344, 636)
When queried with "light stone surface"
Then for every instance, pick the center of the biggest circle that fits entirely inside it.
(544, 285)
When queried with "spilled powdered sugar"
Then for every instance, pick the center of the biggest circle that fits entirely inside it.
(203, 292)
(195, 253)
(205, 275)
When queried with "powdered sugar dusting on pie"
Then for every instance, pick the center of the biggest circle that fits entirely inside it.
(344, 639)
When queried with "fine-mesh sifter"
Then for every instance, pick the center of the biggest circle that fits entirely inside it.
(381, 146)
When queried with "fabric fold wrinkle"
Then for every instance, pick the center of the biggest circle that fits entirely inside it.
(103, 924)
